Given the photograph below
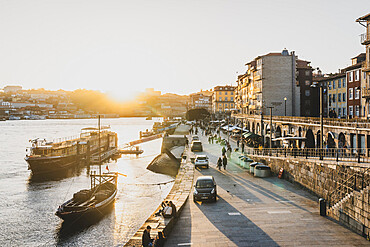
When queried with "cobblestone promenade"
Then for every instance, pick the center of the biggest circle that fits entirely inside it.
(256, 212)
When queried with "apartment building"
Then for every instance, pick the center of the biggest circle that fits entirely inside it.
(354, 78)
(337, 95)
(223, 99)
(365, 88)
(268, 81)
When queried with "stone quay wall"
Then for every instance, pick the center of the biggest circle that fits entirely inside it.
(320, 177)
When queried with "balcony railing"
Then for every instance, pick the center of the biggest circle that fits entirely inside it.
(364, 38)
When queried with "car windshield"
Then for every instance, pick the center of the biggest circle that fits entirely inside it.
(201, 158)
(204, 184)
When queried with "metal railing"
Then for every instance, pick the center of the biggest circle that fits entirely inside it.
(354, 123)
(359, 155)
(347, 180)
(363, 38)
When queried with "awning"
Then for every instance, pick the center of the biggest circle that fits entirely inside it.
(290, 138)
(250, 135)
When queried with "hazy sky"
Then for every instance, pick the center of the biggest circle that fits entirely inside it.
(122, 47)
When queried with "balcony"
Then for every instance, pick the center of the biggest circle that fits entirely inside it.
(365, 93)
(366, 66)
(365, 39)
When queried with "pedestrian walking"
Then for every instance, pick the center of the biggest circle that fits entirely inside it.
(237, 143)
(243, 147)
(224, 162)
(223, 151)
(219, 163)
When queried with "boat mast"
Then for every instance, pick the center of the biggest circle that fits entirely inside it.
(99, 151)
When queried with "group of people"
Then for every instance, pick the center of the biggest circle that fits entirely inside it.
(222, 162)
(168, 210)
(147, 241)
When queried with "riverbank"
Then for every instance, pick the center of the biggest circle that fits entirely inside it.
(178, 195)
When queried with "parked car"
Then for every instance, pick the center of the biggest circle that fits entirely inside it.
(196, 146)
(195, 138)
(201, 160)
(205, 188)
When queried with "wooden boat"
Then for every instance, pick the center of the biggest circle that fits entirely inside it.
(49, 157)
(149, 118)
(89, 204)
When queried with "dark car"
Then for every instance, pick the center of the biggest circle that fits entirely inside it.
(196, 146)
(205, 189)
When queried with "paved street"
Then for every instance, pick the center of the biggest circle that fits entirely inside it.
(256, 212)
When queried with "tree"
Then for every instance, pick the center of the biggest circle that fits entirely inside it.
(195, 114)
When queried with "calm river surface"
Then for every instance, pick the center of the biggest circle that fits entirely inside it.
(28, 204)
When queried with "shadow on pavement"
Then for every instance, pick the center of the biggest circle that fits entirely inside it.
(181, 233)
(235, 226)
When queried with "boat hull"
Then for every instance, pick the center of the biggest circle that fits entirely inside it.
(87, 213)
(42, 165)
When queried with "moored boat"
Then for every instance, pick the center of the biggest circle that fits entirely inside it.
(90, 203)
(47, 157)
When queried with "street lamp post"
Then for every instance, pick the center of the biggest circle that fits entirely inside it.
(285, 99)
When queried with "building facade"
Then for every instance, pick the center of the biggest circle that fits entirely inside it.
(223, 99)
(268, 81)
(365, 88)
(304, 79)
(202, 99)
(337, 95)
(354, 78)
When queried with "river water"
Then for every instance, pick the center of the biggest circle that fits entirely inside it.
(28, 204)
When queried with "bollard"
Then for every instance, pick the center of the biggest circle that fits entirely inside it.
(322, 203)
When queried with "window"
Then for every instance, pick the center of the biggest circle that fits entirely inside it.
(344, 111)
(357, 75)
(349, 75)
(231, 99)
(357, 93)
(339, 111)
(220, 99)
(226, 105)
(329, 84)
(231, 93)
(329, 99)
(344, 82)
(350, 91)
(225, 98)
(350, 110)
(307, 92)
(334, 97)
(307, 83)
(307, 72)
(339, 97)
(357, 110)
(344, 97)
(225, 93)
(333, 84)
(231, 105)
(339, 83)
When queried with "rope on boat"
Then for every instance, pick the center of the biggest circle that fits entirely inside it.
(154, 183)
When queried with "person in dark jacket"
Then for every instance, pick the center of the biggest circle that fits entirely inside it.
(146, 240)
(159, 240)
(173, 209)
(224, 162)
(219, 163)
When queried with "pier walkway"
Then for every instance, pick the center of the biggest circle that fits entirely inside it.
(255, 212)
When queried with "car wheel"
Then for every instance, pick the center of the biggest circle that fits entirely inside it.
(194, 199)
(207, 166)
(215, 199)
